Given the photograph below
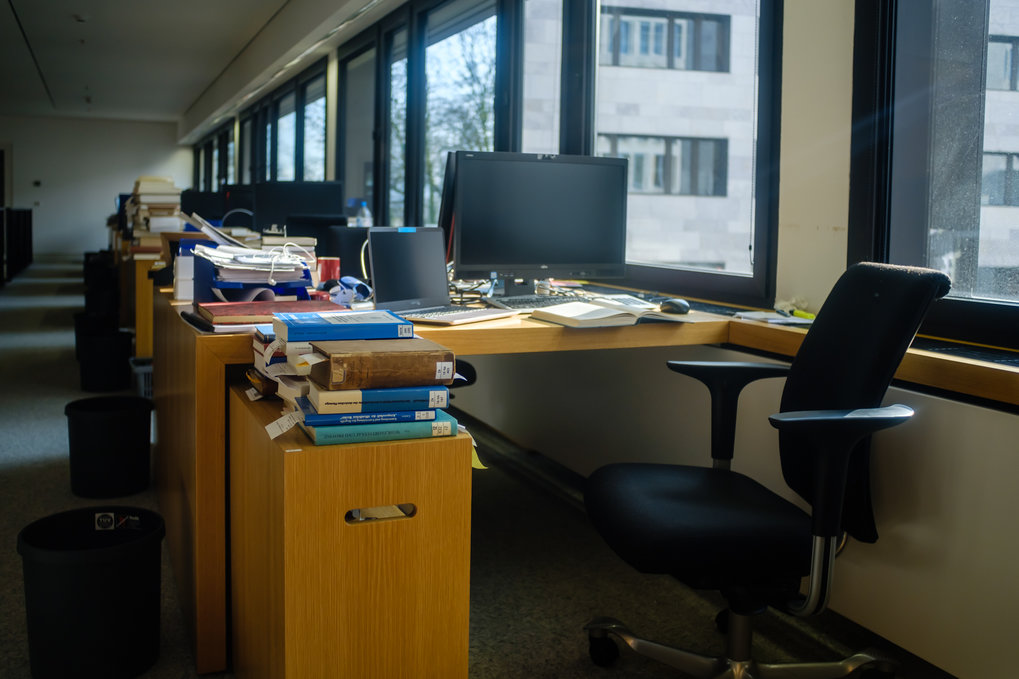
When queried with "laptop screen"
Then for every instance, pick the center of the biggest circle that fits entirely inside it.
(408, 268)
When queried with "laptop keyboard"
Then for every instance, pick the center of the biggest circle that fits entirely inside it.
(526, 303)
(455, 314)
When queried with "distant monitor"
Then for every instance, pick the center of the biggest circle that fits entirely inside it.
(537, 216)
(333, 239)
(275, 201)
(238, 204)
(208, 204)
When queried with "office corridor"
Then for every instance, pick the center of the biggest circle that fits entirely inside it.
(538, 571)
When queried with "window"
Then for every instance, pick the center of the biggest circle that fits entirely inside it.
(542, 77)
(934, 180)
(667, 38)
(214, 160)
(314, 130)
(695, 141)
(459, 89)
(286, 138)
(357, 87)
(397, 135)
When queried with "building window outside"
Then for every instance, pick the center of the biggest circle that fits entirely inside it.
(648, 37)
(1002, 64)
(358, 78)
(688, 125)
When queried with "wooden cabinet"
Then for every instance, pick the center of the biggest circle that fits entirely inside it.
(317, 593)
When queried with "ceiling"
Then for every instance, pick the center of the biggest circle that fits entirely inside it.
(128, 59)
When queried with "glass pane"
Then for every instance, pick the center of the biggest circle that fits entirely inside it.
(999, 65)
(997, 257)
(543, 37)
(315, 130)
(267, 165)
(397, 141)
(690, 140)
(247, 151)
(286, 138)
(200, 184)
(606, 38)
(459, 89)
(359, 110)
(231, 170)
(215, 167)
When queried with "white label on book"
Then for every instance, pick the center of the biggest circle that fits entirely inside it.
(278, 369)
(443, 428)
(312, 359)
(444, 370)
(283, 424)
(421, 415)
(405, 331)
(437, 399)
(253, 394)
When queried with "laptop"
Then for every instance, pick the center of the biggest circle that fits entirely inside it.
(408, 270)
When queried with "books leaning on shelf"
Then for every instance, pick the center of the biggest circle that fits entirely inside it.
(379, 364)
(326, 401)
(444, 424)
(600, 312)
(341, 325)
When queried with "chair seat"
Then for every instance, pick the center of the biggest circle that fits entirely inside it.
(708, 527)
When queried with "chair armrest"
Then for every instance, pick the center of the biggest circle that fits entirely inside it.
(833, 434)
(725, 380)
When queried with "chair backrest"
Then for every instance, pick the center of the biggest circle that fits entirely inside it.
(847, 361)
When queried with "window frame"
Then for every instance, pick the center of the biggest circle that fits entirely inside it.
(206, 177)
(872, 236)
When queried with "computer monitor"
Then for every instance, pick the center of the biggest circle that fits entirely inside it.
(538, 216)
(333, 239)
(275, 201)
(208, 204)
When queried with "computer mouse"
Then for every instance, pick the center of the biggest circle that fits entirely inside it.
(674, 305)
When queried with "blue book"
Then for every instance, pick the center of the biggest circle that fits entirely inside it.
(315, 419)
(341, 325)
(326, 402)
(443, 425)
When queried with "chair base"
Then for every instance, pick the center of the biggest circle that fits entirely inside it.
(737, 664)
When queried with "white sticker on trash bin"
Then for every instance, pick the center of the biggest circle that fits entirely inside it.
(105, 521)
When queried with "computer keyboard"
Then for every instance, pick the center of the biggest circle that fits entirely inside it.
(454, 315)
(528, 303)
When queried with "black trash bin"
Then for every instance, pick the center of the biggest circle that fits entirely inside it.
(89, 323)
(108, 438)
(92, 591)
(103, 360)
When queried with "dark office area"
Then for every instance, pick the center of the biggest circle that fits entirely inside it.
(516, 338)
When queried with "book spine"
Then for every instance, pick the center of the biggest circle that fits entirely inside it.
(443, 425)
(381, 370)
(378, 400)
(316, 420)
(309, 332)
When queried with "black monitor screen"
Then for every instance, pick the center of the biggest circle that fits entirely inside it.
(521, 215)
(275, 201)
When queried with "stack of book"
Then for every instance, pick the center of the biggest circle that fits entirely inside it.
(153, 207)
(368, 377)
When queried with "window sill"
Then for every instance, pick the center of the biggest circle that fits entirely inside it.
(956, 375)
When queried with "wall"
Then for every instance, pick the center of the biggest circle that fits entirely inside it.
(81, 166)
(938, 582)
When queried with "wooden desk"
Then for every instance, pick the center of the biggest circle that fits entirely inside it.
(317, 595)
(189, 389)
(189, 382)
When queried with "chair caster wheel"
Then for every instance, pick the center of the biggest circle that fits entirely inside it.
(603, 651)
(722, 621)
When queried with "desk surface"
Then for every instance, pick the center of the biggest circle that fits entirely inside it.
(190, 382)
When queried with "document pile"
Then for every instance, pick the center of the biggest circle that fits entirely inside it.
(245, 265)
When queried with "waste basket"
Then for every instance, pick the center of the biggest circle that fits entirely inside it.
(108, 439)
(103, 360)
(87, 323)
(92, 591)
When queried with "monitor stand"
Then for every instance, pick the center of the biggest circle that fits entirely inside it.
(508, 287)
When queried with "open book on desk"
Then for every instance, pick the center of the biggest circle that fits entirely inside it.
(600, 312)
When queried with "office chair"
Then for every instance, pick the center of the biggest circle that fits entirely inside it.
(713, 528)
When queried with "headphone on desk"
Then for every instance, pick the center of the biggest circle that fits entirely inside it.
(348, 289)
